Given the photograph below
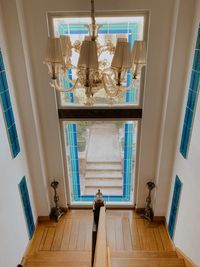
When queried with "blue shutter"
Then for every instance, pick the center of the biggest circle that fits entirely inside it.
(27, 206)
(174, 206)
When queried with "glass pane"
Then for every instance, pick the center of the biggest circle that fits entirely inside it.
(101, 155)
(111, 29)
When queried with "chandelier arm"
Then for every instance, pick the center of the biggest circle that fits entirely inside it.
(127, 87)
(111, 93)
(105, 48)
(56, 86)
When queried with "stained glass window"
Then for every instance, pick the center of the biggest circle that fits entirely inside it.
(111, 28)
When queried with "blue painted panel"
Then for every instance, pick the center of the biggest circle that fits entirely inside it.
(7, 110)
(174, 206)
(74, 164)
(196, 62)
(198, 40)
(27, 206)
(191, 100)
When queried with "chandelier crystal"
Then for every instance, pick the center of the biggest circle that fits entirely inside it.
(92, 73)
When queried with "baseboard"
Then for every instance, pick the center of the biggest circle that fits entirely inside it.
(188, 261)
(43, 218)
(159, 219)
(140, 210)
(156, 219)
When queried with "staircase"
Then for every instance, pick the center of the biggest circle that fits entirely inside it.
(132, 242)
(103, 161)
(146, 259)
(106, 176)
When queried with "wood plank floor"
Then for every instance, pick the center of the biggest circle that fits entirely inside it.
(126, 231)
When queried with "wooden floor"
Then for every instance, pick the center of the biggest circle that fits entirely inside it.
(68, 242)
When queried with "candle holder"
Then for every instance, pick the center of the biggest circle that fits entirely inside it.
(148, 212)
(56, 212)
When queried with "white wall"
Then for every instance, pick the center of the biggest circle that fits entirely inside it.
(174, 93)
(187, 231)
(13, 228)
(26, 103)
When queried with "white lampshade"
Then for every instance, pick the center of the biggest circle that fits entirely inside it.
(122, 57)
(88, 55)
(65, 45)
(138, 54)
(54, 51)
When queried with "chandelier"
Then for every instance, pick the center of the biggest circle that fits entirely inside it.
(93, 74)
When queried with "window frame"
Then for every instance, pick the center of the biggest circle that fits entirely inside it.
(117, 112)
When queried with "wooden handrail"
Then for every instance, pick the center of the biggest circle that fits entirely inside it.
(108, 256)
(101, 250)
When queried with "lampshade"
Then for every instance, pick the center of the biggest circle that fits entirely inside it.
(122, 57)
(88, 55)
(65, 45)
(138, 54)
(54, 51)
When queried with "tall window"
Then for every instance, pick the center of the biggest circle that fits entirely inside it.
(100, 142)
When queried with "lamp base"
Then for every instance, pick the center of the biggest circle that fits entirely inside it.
(148, 214)
(56, 213)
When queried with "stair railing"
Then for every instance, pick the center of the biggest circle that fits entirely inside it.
(101, 257)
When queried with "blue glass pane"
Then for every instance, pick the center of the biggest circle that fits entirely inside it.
(12, 133)
(15, 147)
(174, 206)
(27, 206)
(7, 110)
(4, 80)
(9, 118)
(3, 84)
(1, 62)
(198, 40)
(194, 82)
(191, 101)
(5, 97)
(196, 62)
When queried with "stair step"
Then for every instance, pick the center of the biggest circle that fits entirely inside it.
(150, 262)
(143, 254)
(106, 191)
(103, 183)
(53, 264)
(103, 175)
(59, 259)
(100, 174)
(104, 162)
(103, 166)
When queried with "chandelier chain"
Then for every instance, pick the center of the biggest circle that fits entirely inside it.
(93, 20)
